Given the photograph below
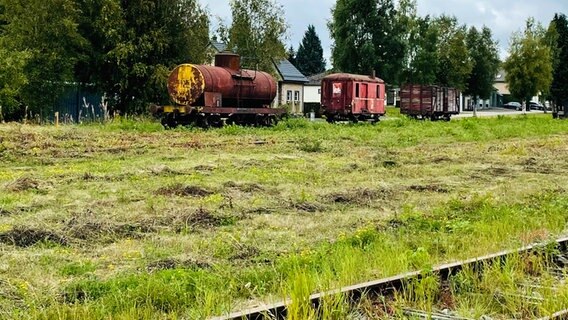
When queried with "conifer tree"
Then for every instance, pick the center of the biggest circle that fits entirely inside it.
(309, 59)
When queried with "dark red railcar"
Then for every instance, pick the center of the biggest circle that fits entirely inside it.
(427, 101)
(352, 97)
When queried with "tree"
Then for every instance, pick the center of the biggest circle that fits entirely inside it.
(557, 37)
(367, 37)
(134, 44)
(484, 54)
(421, 66)
(12, 79)
(529, 65)
(454, 63)
(257, 33)
(310, 59)
(46, 32)
(291, 55)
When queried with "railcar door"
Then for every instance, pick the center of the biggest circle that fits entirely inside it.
(362, 104)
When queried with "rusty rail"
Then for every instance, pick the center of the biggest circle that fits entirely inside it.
(389, 285)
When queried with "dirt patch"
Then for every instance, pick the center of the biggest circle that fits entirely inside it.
(5, 212)
(167, 264)
(429, 188)
(544, 169)
(87, 176)
(261, 210)
(204, 168)
(24, 184)
(390, 164)
(441, 160)
(108, 231)
(499, 171)
(359, 196)
(163, 170)
(183, 191)
(530, 162)
(533, 165)
(27, 237)
(86, 226)
(243, 187)
(307, 206)
(199, 219)
(244, 252)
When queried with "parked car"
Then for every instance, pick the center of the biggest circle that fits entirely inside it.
(535, 106)
(513, 105)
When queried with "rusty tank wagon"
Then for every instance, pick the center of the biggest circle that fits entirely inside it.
(224, 93)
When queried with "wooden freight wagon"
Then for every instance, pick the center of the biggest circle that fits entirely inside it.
(429, 102)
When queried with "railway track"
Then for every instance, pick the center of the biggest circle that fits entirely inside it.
(395, 297)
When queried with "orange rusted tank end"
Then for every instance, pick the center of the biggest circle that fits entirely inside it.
(186, 84)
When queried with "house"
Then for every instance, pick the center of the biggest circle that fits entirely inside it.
(312, 93)
(503, 94)
(500, 91)
(214, 48)
(290, 86)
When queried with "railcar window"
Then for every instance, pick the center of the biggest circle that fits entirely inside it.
(356, 90)
(378, 92)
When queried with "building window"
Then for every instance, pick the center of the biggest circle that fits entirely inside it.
(296, 95)
(288, 95)
(319, 91)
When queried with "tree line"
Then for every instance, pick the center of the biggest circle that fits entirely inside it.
(126, 48)
(390, 38)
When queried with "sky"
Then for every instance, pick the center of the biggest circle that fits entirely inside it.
(503, 16)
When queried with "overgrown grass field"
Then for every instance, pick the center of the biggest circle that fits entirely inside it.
(129, 221)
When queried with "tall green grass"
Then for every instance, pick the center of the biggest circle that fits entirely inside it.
(414, 240)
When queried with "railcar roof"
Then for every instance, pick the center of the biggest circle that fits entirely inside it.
(354, 77)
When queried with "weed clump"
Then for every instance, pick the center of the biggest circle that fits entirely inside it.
(23, 184)
(93, 230)
(243, 187)
(184, 191)
(429, 187)
(170, 263)
(5, 212)
(310, 145)
(358, 196)
(199, 219)
(27, 237)
(308, 206)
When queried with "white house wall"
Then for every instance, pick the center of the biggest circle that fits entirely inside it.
(312, 94)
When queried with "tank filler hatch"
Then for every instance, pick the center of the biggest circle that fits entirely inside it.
(186, 84)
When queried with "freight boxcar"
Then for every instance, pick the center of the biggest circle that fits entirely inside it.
(429, 102)
(352, 97)
(212, 95)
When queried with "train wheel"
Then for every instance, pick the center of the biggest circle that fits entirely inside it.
(330, 118)
(202, 122)
(259, 120)
(215, 121)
